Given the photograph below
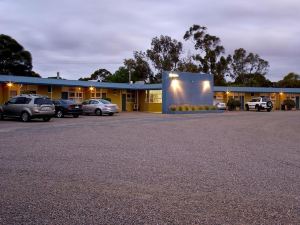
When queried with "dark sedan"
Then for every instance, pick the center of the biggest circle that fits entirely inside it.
(67, 107)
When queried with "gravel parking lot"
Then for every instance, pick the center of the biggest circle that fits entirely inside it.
(139, 168)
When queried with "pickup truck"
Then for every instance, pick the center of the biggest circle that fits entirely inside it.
(260, 103)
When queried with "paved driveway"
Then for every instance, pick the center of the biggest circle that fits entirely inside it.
(138, 168)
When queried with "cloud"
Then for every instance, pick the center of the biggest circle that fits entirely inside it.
(76, 37)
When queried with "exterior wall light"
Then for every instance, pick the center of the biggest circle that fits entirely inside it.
(10, 84)
(227, 92)
(175, 85)
(281, 93)
(91, 88)
(173, 75)
(205, 86)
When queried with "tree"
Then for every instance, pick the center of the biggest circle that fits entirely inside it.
(165, 54)
(101, 74)
(253, 80)
(139, 67)
(291, 80)
(14, 59)
(188, 65)
(120, 76)
(244, 65)
(209, 54)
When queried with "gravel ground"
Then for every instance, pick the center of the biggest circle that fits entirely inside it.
(138, 168)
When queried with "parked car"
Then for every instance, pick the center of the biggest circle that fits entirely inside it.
(67, 107)
(220, 105)
(27, 107)
(259, 103)
(99, 107)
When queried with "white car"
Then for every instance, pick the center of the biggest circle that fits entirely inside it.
(220, 105)
(259, 103)
(99, 107)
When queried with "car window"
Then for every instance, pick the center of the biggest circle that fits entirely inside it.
(85, 102)
(22, 100)
(12, 101)
(93, 102)
(43, 101)
(67, 102)
(105, 101)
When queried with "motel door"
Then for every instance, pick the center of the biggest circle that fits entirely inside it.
(242, 102)
(64, 95)
(297, 102)
(123, 102)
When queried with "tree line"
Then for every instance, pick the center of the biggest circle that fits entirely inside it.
(167, 54)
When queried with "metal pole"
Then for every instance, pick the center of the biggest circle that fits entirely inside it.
(129, 75)
(137, 100)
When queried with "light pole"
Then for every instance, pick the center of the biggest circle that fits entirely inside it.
(129, 75)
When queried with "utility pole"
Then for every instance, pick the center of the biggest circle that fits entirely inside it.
(129, 75)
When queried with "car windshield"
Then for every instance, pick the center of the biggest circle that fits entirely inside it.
(67, 102)
(105, 101)
(265, 99)
(42, 101)
(255, 100)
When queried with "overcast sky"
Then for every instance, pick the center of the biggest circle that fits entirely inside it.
(76, 37)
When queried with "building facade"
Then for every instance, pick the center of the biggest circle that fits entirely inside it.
(130, 97)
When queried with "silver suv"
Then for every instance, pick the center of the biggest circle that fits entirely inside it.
(99, 107)
(28, 107)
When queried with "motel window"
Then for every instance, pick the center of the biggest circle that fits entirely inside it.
(71, 94)
(49, 88)
(75, 94)
(103, 95)
(130, 96)
(97, 93)
(154, 96)
(252, 94)
(13, 93)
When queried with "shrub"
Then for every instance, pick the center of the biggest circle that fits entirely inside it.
(187, 108)
(173, 108)
(193, 108)
(206, 107)
(200, 107)
(289, 103)
(237, 103)
(232, 104)
(212, 107)
(180, 108)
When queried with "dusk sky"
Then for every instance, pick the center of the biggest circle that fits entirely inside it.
(77, 37)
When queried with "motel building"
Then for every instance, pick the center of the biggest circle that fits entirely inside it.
(176, 88)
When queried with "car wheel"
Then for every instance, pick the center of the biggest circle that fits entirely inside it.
(257, 107)
(59, 114)
(75, 115)
(247, 107)
(1, 116)
(98, 112)
(46, 119)
(25, 117)
(269, 104)
(111, 114)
